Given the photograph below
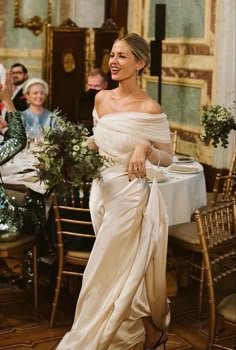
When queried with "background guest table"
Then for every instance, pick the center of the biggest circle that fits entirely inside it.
(21, 171)
(182, 191)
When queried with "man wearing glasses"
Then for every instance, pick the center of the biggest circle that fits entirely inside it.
(19, 77)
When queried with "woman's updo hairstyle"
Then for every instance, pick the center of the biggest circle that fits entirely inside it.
(139, 47)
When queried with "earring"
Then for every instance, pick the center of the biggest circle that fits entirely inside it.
(137, 74)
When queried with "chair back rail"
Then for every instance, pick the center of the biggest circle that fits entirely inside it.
(74, 227)
(232, 168)
(224, 188)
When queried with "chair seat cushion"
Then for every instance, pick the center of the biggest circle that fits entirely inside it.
(23, 239)
(227, 308)
(78, 254)
(186, 232)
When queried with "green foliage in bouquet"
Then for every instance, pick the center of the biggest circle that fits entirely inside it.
(217, 122)
(64, 156)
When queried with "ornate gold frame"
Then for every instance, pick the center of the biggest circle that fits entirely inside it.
(36, 23)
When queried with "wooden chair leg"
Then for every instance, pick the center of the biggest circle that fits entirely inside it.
(201, 290)
(35, 268)
(56, 296)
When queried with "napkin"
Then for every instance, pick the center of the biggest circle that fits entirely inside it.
(151, 173)
(31, 179)
(183, 169)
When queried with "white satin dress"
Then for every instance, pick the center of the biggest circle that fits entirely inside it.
(125, 278)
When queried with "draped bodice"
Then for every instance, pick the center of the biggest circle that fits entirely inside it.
(116, 134)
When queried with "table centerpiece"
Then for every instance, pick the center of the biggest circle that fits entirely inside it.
(64, 158)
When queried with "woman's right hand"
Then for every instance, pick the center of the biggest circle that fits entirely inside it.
(3, 123)
(137, 166)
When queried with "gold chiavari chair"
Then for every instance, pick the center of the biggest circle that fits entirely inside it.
(219, 184)
(224, 188)
(174, 138)
(185, 238)
(232, 168)
(217, 233)
(75, 238)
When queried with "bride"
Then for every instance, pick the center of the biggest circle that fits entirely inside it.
(123, 303)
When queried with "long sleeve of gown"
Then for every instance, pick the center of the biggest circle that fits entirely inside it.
(15, 137)
(160, 157)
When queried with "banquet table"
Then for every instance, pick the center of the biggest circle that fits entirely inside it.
(182, 192)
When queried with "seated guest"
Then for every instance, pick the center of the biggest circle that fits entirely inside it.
(97, 80)
(15, 139)
(36, 117)
(19, 76)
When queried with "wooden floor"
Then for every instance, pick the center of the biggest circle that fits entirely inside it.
(23, 328)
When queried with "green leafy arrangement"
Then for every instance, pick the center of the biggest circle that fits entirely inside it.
(64, 157)
(217, 122)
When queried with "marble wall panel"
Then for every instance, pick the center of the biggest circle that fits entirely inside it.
(179, 102)
(3, 6)
(184, 19)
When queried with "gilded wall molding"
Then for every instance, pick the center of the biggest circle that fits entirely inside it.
(189, 138)
(21, 53)
(192, 74)
(36, 23)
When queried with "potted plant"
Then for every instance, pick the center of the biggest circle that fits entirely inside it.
(217, 122)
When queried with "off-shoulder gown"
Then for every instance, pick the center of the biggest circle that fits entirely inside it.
(125, 278)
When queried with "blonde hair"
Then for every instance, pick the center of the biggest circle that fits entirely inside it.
(138, 46)
(34, 81)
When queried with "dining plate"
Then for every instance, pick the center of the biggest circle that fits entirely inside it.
(183, 159)
(183, 169)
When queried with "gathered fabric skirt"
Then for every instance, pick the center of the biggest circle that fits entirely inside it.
(124, 280)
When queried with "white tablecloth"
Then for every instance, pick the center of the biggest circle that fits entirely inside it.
(182, 193)
(11, 172)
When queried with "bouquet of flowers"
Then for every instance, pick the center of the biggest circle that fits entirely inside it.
(64, 157)
(217, 122)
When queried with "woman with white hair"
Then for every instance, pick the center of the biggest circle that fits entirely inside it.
(36, 117)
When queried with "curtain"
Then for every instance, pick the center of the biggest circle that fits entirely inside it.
(225, 90)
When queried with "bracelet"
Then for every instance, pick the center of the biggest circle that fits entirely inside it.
(159, 156)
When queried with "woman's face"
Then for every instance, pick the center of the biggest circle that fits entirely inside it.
(36, 95)
(122, 62)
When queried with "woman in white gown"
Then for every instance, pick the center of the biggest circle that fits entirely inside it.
(123, 303)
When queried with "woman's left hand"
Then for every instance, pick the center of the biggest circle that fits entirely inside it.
(137, 161)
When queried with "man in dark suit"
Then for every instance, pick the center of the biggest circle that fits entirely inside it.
(97, 80)
(19, 77)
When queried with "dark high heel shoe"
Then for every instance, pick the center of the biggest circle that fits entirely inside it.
(162, 340)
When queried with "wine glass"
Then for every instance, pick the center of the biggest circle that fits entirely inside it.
(30, 137)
